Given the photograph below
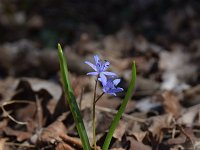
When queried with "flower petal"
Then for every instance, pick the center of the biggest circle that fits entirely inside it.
(104, 90)
(115, 90)
(106, 64)
(121, 89)
(112, 94)
(96, 59)
(91, 65)
(109, 73)
(116, 81)
(103, 79)
(92, 73)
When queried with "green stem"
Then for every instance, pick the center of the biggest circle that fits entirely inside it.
(72, 101)
(121, 109)
(94, 116)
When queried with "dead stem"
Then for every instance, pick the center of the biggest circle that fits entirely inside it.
(19, 145)
(124, 115)
(12, 102)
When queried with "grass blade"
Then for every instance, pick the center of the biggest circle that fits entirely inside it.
(72, 100)
(121, 109)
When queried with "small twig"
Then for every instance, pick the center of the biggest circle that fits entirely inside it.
(16, 101)
(19, 145)
(12, 102)
(11, 118)
(124, 115)
(39, 112)
(174, 129)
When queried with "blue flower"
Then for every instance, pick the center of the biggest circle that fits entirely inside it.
(99, 67)
(109, 85)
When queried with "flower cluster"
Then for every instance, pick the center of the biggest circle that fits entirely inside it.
(108, 79)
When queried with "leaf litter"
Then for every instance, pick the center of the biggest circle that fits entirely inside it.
(163, 113)
(35, 114)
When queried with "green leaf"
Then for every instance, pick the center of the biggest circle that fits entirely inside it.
(72, 100)
(121, 109)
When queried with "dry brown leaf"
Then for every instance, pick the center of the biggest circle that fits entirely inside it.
(39, 84)
(57, 133)
(76, 142)
(177, 147)
(188, 116)
(3, 124)
(171, 103)
(191, 96)
(80, 84)
(179, 140)
(135, 145)
(52, 132)
(21, 135)
(139, 135)
(7, 88)
(63, 146)
(109, 102)
(2, 143)
(178, 70)
(120, 130)
(130, 106)
(158, 123)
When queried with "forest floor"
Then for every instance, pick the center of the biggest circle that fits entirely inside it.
(164, 111)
